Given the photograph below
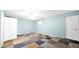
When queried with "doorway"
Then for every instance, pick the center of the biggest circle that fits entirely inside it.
(72, 31)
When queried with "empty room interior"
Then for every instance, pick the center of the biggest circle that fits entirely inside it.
(39, 28)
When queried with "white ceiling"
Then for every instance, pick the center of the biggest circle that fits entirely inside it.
(42, 13)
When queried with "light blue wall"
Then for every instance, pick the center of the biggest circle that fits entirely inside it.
(55, 26)
(25, 26)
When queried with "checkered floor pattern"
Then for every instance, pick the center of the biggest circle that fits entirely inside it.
(26, 43)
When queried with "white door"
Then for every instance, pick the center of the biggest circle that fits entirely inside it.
(10, 28)
(1, 28)
(72, 27)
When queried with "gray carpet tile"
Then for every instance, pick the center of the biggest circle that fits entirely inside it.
(22, 44)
